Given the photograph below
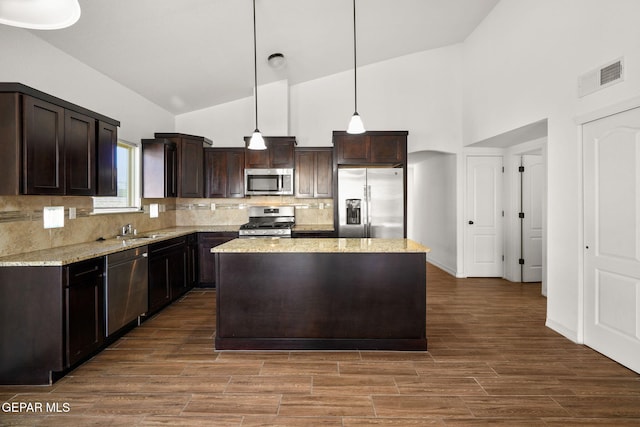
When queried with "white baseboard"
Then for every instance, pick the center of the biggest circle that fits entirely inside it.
(442, 267)
(562, 330)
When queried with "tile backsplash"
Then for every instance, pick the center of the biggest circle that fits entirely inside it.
(22, 230)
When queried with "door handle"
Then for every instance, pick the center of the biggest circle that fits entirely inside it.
(470, 222)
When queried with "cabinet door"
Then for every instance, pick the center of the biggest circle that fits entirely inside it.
(192, 261)
(43, 147)
(170, 170)
(80, 157)
(178, 282)
(191, 164)
(352, 149)
(215, 172)
(235, 173)
(314, 173)
(387, 149)
(207, 265)
(107, 144)
(257, 158)
(159, 290)
(281, 153)
(305, 173)
(84, 299)
(324, 174)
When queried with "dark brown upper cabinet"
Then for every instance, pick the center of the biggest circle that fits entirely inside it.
(80, 154)
(224, 172)
(107, 144)
(371, 148)
(50, 146)
(190, 151)
(159, 168)
(314, 172)
(43, 145)
(279, 153)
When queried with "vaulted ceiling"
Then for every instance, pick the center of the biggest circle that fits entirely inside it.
(185, 55)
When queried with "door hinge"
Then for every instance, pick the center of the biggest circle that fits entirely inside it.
(503, 169)
(521, 169)
(521, 215)
(521, 261)
(502, 257)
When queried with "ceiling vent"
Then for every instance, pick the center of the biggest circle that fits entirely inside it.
(604, 76)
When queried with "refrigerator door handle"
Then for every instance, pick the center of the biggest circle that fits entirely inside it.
(368, 211)
(365, 211)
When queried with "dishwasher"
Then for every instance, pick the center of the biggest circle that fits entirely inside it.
(127, 290)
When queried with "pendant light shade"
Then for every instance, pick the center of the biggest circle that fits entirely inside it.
(355, 125)
(39, 14)
(257, 141)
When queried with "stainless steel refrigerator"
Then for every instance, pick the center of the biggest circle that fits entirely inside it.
(371, 202)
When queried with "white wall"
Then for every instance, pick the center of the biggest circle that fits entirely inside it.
(521, 65)
(29, 60)
(227, 124)
(431, 219)
(420, 93)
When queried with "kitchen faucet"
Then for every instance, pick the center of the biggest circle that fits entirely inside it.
(126, 229)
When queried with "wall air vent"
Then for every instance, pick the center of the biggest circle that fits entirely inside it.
(604, 76)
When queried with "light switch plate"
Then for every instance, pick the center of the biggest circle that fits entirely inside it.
(53, 216)
(153, 210)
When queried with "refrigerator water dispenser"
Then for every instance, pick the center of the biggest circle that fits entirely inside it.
(353, 211)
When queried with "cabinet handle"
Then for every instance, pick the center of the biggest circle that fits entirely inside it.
(82, 273)
(470, 222)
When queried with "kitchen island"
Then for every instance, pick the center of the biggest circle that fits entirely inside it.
(321, 294)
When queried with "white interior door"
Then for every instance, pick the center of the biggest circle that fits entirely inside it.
(611, 168)
(483, 242)
(533, 178)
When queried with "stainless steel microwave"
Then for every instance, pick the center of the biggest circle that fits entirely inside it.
(262, 182)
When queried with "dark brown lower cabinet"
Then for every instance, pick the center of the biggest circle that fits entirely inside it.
(51, 318)
(167, 272)
(207, 267)
(192, 260)
(84, 301)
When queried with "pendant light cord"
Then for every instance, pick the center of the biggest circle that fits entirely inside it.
(355, 67)
(255, 62)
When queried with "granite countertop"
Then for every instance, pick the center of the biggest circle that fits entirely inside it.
(64, 255)
(328, 245)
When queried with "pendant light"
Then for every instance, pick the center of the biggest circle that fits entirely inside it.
(355, 125)
(257, 141)
(39, 14)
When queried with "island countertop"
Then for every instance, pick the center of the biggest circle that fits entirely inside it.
(321, 245)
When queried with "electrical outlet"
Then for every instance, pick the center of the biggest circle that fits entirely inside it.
(72, 213)
(153, 210)
(53, 216)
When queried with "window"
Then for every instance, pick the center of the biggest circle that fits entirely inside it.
(128, 198)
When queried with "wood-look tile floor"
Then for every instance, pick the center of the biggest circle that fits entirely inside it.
(491, 360)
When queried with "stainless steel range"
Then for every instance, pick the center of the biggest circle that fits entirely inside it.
(269, 221)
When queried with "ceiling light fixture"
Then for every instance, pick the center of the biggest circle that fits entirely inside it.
(39, 14)
(257, 141)
(355, 125)
(276, 60)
